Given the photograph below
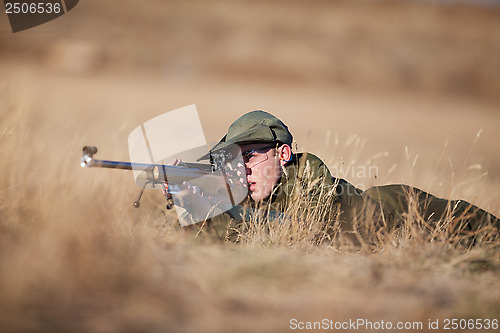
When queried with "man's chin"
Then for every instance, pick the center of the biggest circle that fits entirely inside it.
(258, 197)
(255, 197)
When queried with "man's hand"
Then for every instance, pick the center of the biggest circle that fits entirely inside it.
(191, 198)
(200, 204)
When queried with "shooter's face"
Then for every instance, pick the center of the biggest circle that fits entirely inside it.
(263, 168)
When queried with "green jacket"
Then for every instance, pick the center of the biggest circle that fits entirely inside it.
(307, 191)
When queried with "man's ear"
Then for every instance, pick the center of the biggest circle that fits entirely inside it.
(285, 154)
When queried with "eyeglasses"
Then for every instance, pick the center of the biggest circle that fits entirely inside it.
(256, 156)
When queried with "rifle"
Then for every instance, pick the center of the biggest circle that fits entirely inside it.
(167, 176)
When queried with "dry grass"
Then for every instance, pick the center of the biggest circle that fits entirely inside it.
(75, 256)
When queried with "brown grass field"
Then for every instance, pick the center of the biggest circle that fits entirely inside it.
(410, 88)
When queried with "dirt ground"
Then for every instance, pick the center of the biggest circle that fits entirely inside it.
(404, 86)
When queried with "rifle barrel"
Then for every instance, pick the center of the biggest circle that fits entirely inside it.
(118, 165)
(158, 172)
(90, 162)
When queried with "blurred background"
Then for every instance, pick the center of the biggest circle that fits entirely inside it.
(383, 91)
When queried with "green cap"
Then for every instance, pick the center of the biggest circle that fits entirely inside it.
(254, 127)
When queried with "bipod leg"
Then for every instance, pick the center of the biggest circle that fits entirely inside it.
(137, 203)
